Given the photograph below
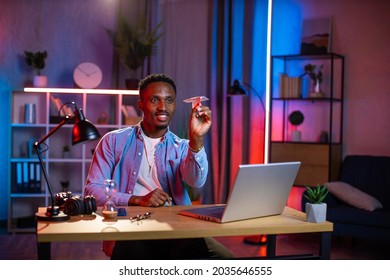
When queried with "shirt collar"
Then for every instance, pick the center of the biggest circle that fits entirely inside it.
(139, 132)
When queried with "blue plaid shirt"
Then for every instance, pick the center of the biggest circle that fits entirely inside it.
(118, 156)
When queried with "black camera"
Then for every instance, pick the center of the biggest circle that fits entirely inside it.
(74, 205)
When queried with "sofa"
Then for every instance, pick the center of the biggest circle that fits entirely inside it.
(359, 203)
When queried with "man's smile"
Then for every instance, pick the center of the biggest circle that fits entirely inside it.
(162, 116)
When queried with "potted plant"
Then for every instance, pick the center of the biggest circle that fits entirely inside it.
(296, 118)
(66, 151)
(315, 207)
(37, 61)
(316, 77)
(65, 186)
(134, 44)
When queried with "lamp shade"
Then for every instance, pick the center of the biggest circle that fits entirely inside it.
(237, 89)
(83, 130)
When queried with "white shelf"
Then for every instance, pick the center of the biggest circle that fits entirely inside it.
(94, 103)
(78, 90)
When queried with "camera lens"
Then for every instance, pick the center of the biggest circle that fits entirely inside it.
(74, 206)
(89, 205)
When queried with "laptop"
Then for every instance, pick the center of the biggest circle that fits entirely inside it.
(259, 190)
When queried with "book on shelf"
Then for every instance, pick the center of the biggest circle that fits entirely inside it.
(26, 177)
(131, 115)
(290, 87)
(17, 177)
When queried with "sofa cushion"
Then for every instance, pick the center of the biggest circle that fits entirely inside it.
(370, 174)
(346, 214)
(353, 196)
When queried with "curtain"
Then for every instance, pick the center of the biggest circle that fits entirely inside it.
(238, 51)
(206, 45)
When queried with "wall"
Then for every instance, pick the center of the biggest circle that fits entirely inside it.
(361, 33)
(71, 31)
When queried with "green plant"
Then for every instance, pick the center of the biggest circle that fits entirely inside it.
(316, 195)
(310, 69)
(36, 60)
(135, 43)
(296, 118)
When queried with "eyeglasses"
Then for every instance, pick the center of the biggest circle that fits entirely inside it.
(140, 217)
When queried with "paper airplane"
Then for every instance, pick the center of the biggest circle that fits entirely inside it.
(196, 100)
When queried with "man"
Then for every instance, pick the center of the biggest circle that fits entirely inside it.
(151, 165)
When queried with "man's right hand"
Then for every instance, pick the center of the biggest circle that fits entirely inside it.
(155, 198)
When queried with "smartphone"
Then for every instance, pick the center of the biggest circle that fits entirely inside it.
(122, 212)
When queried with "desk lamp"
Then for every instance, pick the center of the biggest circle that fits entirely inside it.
(83, 131)
(238, 89)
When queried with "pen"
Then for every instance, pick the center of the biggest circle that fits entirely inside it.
(168, 202)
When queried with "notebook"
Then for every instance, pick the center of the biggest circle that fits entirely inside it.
(259, 190)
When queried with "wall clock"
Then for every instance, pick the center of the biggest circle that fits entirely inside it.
(87, 75)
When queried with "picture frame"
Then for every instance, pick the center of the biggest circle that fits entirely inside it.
(316, 36)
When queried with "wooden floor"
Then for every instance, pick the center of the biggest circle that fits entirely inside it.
(22, 246)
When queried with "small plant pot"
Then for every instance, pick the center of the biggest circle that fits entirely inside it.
(316, 213)
(296, 136)
(40, 81)
(65, 154)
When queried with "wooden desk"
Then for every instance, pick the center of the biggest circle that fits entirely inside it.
(165, 223)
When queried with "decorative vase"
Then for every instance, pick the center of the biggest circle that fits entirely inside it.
(316, 213)
(324, 137)
(316, 89)
(40, 81)
(30, 115)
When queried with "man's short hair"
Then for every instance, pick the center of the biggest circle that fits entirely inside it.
(152, 78)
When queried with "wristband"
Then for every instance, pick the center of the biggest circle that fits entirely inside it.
(195, 150)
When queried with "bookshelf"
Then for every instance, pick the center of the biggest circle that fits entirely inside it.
(319, 147)
(67, 169)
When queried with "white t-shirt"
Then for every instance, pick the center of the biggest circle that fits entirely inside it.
(147, 177)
